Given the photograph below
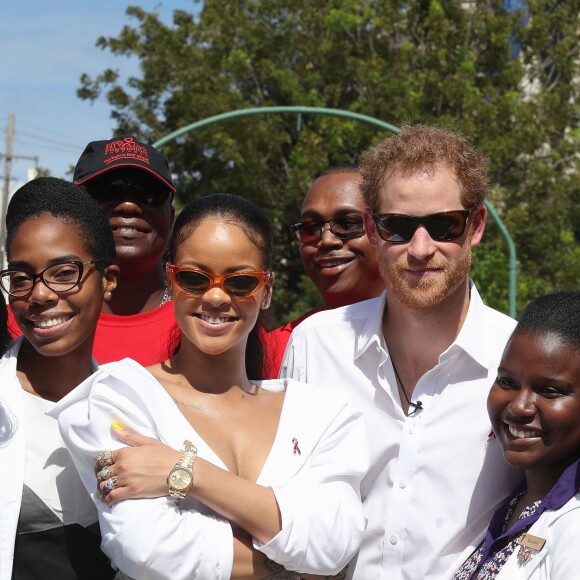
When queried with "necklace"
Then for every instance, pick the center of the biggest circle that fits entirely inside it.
(418, 406)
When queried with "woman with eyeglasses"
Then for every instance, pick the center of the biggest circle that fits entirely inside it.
(61, 257)
(534, 407)
(228, 476)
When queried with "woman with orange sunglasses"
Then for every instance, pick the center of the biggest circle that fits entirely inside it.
(228, 476)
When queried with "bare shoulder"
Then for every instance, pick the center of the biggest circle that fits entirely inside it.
(162, 372)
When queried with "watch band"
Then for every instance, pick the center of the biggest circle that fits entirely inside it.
(185, 463)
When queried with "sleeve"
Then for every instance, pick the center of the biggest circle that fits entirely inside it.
(322, 514)
(148, 539)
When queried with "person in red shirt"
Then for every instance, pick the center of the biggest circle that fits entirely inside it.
(132, 183)
(334, 249)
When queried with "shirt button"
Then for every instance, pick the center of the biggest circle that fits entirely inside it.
(403, 484)
(393, 539)
(412, 430)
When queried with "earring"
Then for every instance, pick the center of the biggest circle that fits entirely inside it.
(266, 303)
(109, 294)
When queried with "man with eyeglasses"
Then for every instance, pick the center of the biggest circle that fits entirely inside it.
(418, 361)
(334, 249)
(132, 182)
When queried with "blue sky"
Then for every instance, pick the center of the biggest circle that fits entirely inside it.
(45, 47)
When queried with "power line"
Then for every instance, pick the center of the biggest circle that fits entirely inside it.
(28, 143)
(40, 130)
(47, 140)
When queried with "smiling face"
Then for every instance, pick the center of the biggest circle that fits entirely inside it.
(141, 229)
(534, 404)
(56, 324)
(344, 271)
(214, 322)
(424, 273)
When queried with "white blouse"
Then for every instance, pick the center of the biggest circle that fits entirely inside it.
(317, 490)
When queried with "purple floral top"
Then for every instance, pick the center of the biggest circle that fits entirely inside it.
(486, 562)
(491, 568)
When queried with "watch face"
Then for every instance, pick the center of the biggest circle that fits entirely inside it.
(180, 479)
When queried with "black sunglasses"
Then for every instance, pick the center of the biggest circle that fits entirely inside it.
(345, 228)
(445, 226)
(149, 192)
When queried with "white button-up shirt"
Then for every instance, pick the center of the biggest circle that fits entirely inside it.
(436, 476)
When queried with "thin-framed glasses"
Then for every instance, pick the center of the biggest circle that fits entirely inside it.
(445, 226)
(236, 284)
(345, 228)
(61, 277)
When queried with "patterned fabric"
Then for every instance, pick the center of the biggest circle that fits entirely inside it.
(470, 568)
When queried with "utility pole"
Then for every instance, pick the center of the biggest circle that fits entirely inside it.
(6, 187)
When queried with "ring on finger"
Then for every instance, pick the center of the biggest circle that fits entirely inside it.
(110, 484)
(105, 473)
(105, 458)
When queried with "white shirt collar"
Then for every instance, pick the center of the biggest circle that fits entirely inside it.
(471, 338)
(372, 330)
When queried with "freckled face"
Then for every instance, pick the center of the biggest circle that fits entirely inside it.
(54, 323)
(423, 273)
(534, 404)
(215, 322)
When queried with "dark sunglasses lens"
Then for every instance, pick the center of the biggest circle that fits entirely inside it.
(448, 226)
(192, 282)
(154, 196)
(309, 232)
(241, 285)
(106, 191)
(347, 229)
(398, 229)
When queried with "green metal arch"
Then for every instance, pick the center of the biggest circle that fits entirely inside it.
(364, 119)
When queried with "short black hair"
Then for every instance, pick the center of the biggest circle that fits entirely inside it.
(557, 313)
(69, 203)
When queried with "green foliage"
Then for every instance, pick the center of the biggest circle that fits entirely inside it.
(508, 80)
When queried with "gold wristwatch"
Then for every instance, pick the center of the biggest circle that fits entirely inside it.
(180, 478)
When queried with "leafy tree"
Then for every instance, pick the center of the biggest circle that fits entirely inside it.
(505, 74)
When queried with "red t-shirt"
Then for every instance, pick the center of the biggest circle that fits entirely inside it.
(144, 337)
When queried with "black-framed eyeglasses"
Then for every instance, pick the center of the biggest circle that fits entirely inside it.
(58, 277)
(149, 192)
(236, 284)
(346, 228)
(445, 226)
